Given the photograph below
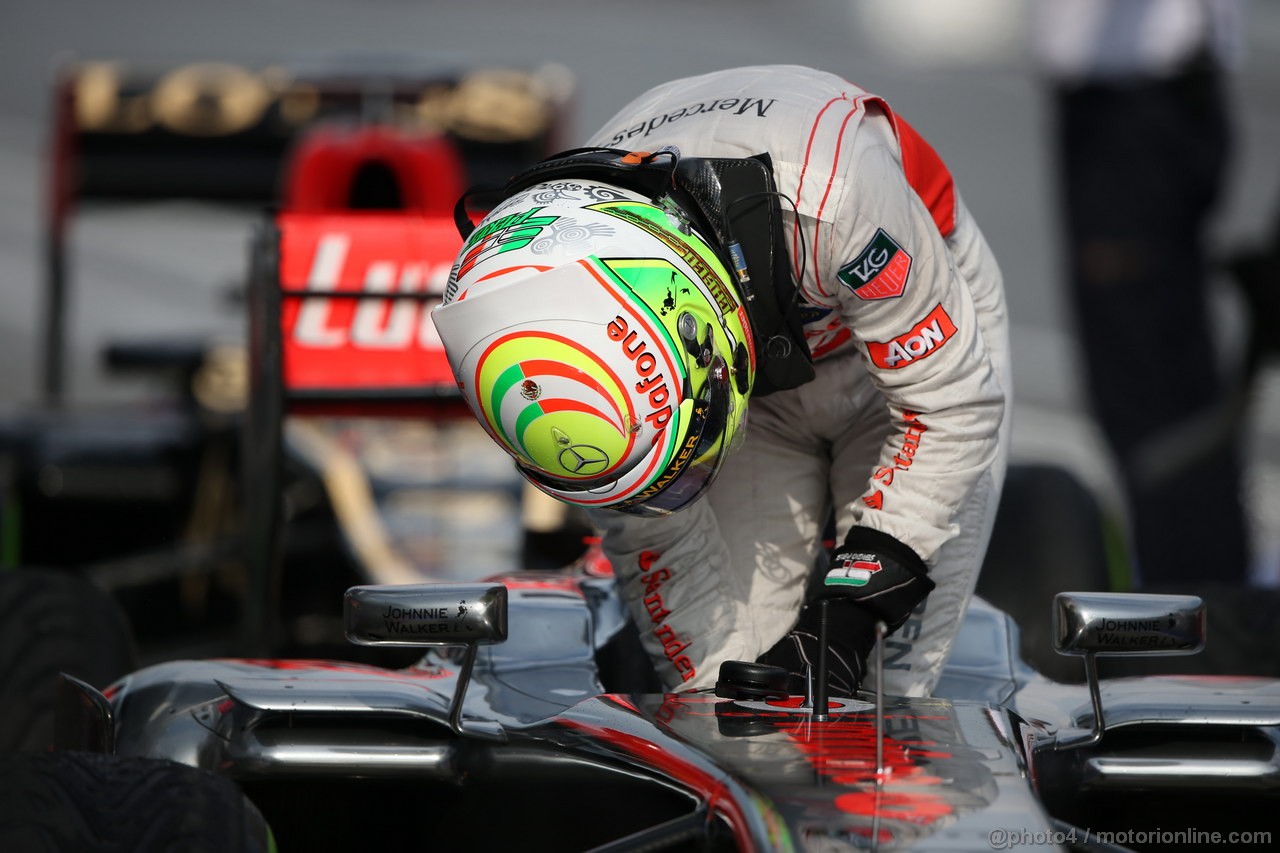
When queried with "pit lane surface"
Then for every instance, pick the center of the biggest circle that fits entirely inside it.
(964, 81)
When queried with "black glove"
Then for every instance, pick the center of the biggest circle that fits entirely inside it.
(851, 635)
(871, 578)
(878, 572)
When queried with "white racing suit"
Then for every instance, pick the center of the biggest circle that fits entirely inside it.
(905, 428)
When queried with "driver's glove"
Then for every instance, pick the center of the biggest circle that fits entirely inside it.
(872, 578)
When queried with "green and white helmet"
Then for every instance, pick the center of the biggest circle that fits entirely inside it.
(600, 341)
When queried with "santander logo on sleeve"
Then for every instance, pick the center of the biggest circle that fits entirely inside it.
(923, 339)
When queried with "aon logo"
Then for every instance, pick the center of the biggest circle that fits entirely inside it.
(923, 339)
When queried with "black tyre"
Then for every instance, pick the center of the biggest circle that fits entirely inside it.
(53, 622)
(91, 803)
(1048, 538)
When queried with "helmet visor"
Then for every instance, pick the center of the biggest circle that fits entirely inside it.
(698, 461)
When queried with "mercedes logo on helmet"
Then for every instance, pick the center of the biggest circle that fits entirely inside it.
(583, 459)
(579, 458)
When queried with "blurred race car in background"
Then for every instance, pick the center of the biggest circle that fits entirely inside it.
(359, 161)
(257, 136)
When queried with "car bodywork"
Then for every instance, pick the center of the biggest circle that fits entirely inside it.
(998, 753)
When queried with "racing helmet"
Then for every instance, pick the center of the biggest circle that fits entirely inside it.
(599, 339)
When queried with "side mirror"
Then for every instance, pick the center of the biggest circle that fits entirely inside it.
(429, 614)
(433, 614)
(1108, 624)
(1113, 624)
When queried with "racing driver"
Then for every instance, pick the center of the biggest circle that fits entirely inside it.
(604, 337)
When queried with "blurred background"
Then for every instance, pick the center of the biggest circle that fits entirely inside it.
(965, 74)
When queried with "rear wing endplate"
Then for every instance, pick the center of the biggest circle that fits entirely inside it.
(339, 324)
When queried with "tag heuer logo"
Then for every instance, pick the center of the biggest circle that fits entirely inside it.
(880, 271)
